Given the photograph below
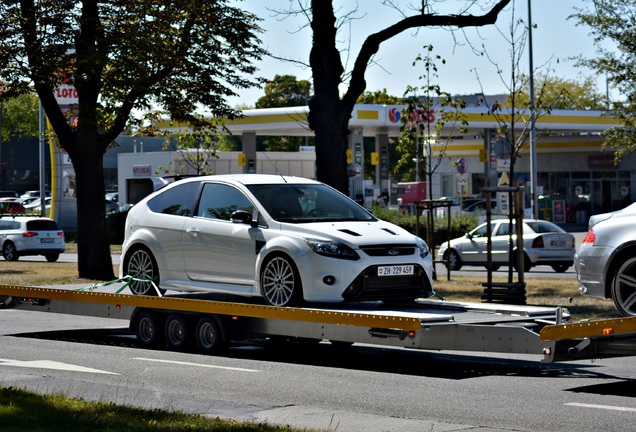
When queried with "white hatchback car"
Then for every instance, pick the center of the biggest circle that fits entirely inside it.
(544, 243)
(22, 235)
(286, 239)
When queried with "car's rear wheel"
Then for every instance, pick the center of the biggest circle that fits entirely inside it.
(52, 257)
(624, 287)
(280, 282)
(560, 268)
(9, 252)
(142, 268)
(454, 260)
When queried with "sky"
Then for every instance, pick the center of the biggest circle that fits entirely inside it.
(556, 39)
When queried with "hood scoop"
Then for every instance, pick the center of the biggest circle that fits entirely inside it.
(389, 231)
(351, 233)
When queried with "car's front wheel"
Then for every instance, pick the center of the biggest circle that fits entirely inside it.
(9, 252)
(624, 287)
(280, 282)
(453, 259)
(142, 268)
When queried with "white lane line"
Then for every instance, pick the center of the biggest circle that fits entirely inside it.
(605, 407)
(53, 365)
(196, 364)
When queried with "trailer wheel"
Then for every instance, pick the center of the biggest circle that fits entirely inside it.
(148, 329)
(209, 335)
(142, 267)
(178, 332)
(280, 282)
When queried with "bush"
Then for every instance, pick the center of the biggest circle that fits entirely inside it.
(459, 225)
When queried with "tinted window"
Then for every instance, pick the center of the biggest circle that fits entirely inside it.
(42, 225)
(219, 201)
(178, 200)
(9, 225)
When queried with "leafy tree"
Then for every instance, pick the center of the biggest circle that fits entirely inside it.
(378, 97)
(329, 111)
(612, 21)
(19, 118)
(283, 91)
(561, 93)
(121, 57)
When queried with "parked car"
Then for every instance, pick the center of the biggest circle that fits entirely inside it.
(22, 235)
(11, 207)
(544, 242)
(479, 207)
(36, 204)
(34, 193)
(605, 263)
(285, 239)
(9, 194)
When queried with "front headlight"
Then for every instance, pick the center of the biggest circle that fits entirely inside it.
(421, 245)
(332, 249)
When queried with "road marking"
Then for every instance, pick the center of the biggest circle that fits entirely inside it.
(49, 364)
(605, 407)
(196, 364)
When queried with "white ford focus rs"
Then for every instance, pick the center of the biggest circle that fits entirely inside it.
(285, 239)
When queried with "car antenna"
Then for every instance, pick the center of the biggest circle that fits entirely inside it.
(275, 167)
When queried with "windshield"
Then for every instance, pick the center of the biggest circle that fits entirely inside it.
(302, 203)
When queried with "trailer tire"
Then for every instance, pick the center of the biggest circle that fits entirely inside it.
(178, 332)
(148, 329)
(209, 335)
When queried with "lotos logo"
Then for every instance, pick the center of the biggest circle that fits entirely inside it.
(394, 115)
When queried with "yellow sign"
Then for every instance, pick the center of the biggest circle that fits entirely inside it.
(242, 159)
(375, 158)
(349, 155)
(504, 180)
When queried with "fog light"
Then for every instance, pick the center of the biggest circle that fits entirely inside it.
(329, 280)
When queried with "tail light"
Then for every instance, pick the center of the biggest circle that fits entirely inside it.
(538, 242)
(590, 237)
(60, 233)
(29, 234)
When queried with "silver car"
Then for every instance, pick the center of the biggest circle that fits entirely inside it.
(22, 235)
(605, 263)
(544, 244)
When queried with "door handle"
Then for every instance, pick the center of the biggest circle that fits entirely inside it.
(194, 231)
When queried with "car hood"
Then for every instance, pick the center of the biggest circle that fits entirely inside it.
(353, 233)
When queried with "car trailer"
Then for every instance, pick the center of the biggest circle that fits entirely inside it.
(185, 321)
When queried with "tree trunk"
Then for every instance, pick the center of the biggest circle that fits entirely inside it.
(93, 248)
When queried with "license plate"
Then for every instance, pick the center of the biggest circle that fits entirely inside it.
(396, 270)
(557, 243)
(47, 240)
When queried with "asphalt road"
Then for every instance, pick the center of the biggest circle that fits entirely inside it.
(364, 388)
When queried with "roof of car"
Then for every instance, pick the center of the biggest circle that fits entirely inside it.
(251, 179)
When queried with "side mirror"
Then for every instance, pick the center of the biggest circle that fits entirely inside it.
(242, 217)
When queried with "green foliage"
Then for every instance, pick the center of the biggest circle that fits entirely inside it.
(459, 225)
(560, 93)
(378, 97)
(285, 91)
(19, 118)
(611, 24)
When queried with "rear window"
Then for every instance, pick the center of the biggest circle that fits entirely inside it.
(42, 225)
(177, 200)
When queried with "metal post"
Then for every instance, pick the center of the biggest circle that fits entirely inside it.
(534, 205)
(41, 142)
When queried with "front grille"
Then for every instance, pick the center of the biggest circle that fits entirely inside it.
(389, 250)
(369, 286)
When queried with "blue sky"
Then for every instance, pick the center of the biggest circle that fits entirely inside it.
(555, 40)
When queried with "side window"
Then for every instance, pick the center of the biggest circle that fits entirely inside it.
(219, 201)
(179, 200)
